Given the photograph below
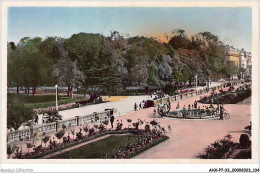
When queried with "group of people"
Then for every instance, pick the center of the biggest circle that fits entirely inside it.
(142, 105)
(205, 109)
(193, 106)
(211, 110)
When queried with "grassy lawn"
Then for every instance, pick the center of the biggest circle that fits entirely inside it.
(100, 148)
(44, 101)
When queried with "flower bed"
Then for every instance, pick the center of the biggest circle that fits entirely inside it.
(220, 149)
(46, 151)
(226, 97)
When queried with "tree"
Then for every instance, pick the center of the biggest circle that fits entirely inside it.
(231, 69)
(67, 73)
(106, 79)
(179, 39)
(153, 75)
(176, 76)
(17, 113)
(27, 65)
(85, 48)
(169, 89)
(112, 48)
(138, 75)
(144, 50)
(164, 68)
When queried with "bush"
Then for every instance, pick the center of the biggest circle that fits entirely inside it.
(169, 89)
(17, 113)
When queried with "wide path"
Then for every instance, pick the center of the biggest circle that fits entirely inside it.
(123, 106)
(187, 137)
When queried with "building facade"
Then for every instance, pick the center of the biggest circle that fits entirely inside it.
(241, 58)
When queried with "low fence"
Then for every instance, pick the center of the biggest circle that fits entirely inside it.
(189, 94)
(36, 131)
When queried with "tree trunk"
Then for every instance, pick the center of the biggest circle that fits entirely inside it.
(190, 82)
(68, 93)
(17, 89)
(33, 90)
(71, 93)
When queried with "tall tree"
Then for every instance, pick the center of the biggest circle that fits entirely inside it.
(85, 48)
(153, 75)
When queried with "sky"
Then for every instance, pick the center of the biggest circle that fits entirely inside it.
(233, 25)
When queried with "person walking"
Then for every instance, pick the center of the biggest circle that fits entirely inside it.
(112, 121)
(154, 112)
(140, 106)
(135, 107)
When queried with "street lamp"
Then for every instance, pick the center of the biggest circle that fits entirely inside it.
(56, 86)
(196, 77)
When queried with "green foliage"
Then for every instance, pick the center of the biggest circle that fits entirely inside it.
(169, 89)
(10, 150)
(107, 79)
(232, 68)
(153, 75)
(28, 65)
(138, 75)
(85, 48)
(17, 113)
(143, 49)
(43, 101)
(60, 134)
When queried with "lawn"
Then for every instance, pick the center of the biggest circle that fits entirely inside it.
(99, 149)
(44, 101)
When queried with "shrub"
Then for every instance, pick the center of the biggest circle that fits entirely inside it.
(17, 113)
(169, 89)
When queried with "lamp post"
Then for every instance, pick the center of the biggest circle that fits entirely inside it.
(196, 77)
(56, 86)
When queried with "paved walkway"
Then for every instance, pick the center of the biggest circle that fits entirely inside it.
(187, 137)
(124, 106)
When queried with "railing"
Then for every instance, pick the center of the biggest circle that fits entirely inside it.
(36, 131)
(188, 94)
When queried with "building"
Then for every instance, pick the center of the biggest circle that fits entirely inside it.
(232, 55)
(241, 58)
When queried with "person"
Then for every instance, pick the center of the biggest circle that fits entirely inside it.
(218, 108)
(189, 106)
(36, 118)
(199, 112)
(195, 104)
(178, 106)
(135, 107)
(154, 112)
(112, 121)
(184, 111)
(140, 106)
(221, 112)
